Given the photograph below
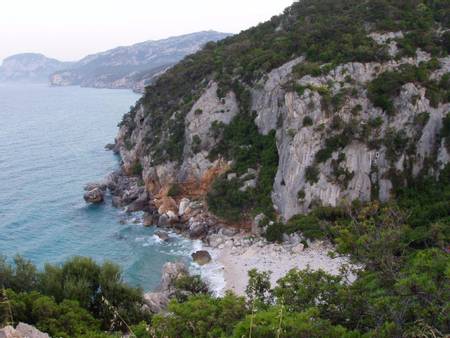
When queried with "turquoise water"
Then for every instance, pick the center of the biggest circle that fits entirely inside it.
(51, 144)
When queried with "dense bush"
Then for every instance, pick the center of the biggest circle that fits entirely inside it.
(80, 288)
(66, 319)
(200, 316)
(312, 174)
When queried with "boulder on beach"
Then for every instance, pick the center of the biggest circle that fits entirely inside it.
(95, 195)
(201, 257)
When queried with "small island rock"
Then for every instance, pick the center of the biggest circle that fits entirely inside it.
(94, 196)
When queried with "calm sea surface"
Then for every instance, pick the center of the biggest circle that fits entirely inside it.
(52, 143)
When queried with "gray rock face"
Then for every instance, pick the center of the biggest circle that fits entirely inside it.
(257, 225)
(297, 145)
(22, 330)
(361, 169)
(157, 301)
(198, 230)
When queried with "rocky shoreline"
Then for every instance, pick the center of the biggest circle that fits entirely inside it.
(229, 250)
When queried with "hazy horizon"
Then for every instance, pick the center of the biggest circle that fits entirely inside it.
(71, 30)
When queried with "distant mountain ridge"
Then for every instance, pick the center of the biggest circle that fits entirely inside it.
(132, 66)
(30, 67)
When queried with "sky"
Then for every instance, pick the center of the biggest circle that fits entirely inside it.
(71, 29)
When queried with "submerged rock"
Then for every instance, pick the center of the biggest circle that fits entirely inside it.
(164, 236)
(95, 195)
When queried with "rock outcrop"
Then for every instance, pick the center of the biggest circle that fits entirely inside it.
(336, 131)
(157, 301)
(22, 330)
(357, 171)
(94, 195)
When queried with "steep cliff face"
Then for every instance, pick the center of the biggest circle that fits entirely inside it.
(195, 168)
(359, 170)
(355, 128)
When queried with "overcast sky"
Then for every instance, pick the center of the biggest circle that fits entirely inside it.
(71, 29)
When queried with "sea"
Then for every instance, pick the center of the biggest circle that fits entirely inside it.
(51, 144)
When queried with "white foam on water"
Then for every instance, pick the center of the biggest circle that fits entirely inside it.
(178, 245)
(212, 273)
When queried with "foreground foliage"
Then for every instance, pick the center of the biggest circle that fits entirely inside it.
(79, 297)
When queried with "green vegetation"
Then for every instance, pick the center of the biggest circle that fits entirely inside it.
(136, 169)
(312, 174)
(327, 32)
(75, 299)
(175, 190)
(445, 133)
(401, 247)
(196, 144)
(242, 143)
(307, 121)
(385, 87)
(401, 287)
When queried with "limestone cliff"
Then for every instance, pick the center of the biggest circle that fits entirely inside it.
(340, 134)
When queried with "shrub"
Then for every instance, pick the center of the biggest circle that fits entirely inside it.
(196, 144)
(175, 190)
(68, 300)
(258, 288)
(396, 143)
(312, 175)
(136, 169)
(242, 143)
(187, 286)
(308, 225)
(278, 323)
(307, 68)
(356, 109)
(307, 121)
(200, 316)
(376, 122)
(274, 232)
(226, 200)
